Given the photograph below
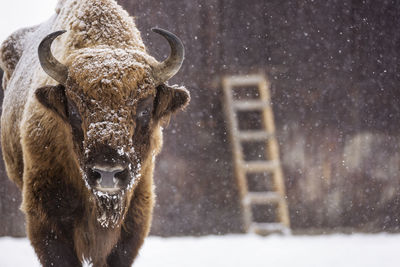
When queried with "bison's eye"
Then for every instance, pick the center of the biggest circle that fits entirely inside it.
(75, 121)
(144, 113)
(73, 115)
(145, 109)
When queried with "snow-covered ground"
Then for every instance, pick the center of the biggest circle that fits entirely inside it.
(358, 250)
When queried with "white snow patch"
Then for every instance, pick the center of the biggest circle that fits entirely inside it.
(121, 151)
(101, 193)
(135, 174)
(358, 250)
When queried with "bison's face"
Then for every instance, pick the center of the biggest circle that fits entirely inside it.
(110, 103)
(114, 106)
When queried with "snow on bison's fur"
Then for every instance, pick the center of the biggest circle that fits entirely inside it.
(80, 129)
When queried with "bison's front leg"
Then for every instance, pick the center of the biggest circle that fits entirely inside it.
(135, 228)
(50, 209)
(53, 247)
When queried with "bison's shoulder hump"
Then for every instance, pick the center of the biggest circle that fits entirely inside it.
(11, 50)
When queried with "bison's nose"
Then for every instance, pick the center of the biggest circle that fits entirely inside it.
(107, 176)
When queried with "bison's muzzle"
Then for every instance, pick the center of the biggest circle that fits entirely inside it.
(108, 170)
(109, 175)
(108, 184)
(108, 178)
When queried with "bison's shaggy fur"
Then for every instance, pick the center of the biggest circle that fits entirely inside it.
(109, 111)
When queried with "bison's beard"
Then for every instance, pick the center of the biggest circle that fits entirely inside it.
(109, 207)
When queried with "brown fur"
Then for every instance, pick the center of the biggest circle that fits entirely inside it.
(52, 133)
(11, 51)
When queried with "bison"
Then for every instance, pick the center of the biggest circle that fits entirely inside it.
(79, 138)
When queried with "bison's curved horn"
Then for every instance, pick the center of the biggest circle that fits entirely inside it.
(168, 68)
(50, 65)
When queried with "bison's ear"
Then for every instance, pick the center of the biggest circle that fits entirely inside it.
(53, 98)
(170, 99)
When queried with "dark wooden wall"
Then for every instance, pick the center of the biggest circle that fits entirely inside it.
(333, 66)
(334, 70)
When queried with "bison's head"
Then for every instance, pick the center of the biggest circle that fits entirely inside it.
(114, 100)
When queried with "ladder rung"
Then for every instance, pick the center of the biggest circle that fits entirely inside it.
(247, 80)
(262, 198)
(250, 104)
(268, 228)
(260, 166)
(253, 135)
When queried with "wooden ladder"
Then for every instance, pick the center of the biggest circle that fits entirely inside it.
(268, 168)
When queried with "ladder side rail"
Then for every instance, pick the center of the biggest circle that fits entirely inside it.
(237, 151)
(273, 152)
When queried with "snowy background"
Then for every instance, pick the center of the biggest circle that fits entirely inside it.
(21, 13)
(245, 251)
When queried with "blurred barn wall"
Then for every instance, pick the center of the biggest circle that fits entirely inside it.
(334, 71)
